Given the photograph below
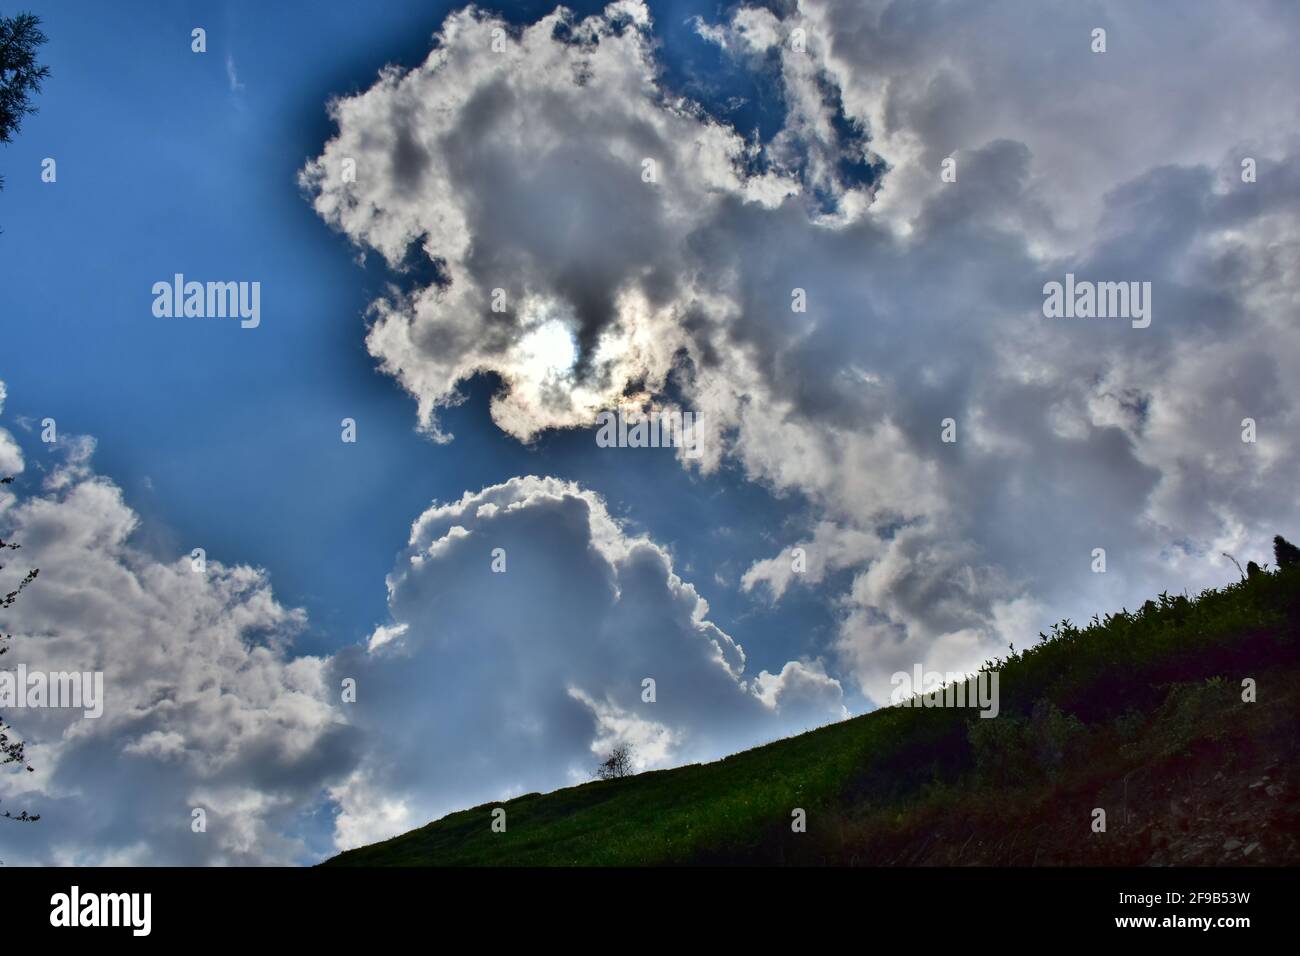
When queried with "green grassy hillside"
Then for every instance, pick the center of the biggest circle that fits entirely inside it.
(1139, 713)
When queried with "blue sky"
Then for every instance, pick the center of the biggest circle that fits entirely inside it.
(798, 151)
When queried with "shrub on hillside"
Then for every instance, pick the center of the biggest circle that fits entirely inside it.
(1010, 749)
(1284, 552)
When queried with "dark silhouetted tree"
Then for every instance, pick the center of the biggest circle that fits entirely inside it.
(1284, 552)
(12, 750)
(617, 764)
(20, 74)
(20, 77)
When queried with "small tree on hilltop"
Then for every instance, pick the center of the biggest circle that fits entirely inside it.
(617, 764)
(1284, 552)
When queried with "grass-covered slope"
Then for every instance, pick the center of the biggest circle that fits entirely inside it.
(1140, 714)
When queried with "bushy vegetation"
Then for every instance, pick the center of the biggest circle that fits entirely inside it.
(1012, 749)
